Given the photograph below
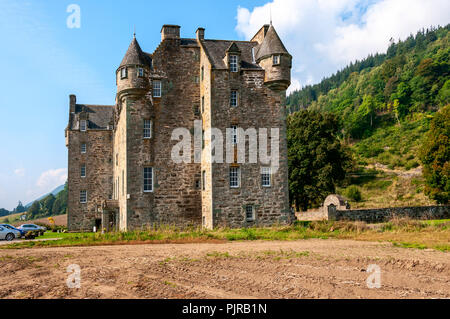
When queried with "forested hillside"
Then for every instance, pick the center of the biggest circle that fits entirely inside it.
(385, 104)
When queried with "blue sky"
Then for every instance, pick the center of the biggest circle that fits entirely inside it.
(44, 61)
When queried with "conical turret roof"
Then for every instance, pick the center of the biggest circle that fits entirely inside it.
(271, 45)
(135, 55)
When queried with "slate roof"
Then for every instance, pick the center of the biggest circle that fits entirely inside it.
(99, 116)
(135, 55)
(217, 50)
(271, 45)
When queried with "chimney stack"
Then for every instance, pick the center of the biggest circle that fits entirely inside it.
(73, 102)
(170, 32)
(200, 34)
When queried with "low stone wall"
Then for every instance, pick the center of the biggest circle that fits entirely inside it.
(385, 214)
(311, 216)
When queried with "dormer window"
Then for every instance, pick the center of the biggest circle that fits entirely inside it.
(140, 72)
(276, 59)
(156, 88)
(83, 125)
(233, 63)
(123, 73)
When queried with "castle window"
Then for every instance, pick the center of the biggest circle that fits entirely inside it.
(83, 148)
(266, 177)
(233, 63)
(203, 104)
(196, 110)
(253, 55)
(83, 197)
(235, 177)
(156, 88)
(276, 59)
(204, 180)
(202, 73)
(148, 179)
(117, 159)
(250, 213)
(147, 129)
(234, 134)
(83, 171)
(83, 125)
(123, 73)
(141, 72)
(203, 139)
(234, 98)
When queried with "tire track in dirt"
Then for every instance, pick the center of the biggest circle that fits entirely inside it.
(260, 269)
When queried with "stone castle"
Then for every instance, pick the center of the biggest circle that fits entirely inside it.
(120, 172)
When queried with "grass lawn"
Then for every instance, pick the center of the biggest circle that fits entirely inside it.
(402, 232)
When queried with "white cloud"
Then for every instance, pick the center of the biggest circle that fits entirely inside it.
(20, 172)
(52, 179)
(325, 35)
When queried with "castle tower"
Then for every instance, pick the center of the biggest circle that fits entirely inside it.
(273, 57)
(132, 74)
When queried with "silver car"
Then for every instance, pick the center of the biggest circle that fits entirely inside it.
(32, 228)
(8, 234)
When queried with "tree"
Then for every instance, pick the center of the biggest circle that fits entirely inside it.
(20, 208)
(444, 94)
(47, 204)
(34, 210)
(4, 212)
(317, 159)
(435, 155)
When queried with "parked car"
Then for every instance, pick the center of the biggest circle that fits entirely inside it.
(22, 232)
(38, 230)
(9, 234)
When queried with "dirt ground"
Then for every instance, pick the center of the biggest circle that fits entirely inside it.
(261, 269)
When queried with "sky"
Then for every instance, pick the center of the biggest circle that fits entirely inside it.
(45, 60)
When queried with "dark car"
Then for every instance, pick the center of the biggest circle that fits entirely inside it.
(22, 232)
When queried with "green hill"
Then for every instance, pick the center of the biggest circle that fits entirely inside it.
(385, 104)
(55, 192)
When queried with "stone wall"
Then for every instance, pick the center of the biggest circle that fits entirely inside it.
(384, 214)
(258, 107)
(206, 114)
(176, 199)
(311, 216)
(98, 180)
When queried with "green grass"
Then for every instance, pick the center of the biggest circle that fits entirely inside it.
(402, 232)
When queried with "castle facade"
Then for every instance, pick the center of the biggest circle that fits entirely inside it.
(121, 171)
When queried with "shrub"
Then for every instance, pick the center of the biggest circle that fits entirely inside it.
(411, 164)
(353, 193)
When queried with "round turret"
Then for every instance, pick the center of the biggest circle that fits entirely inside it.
(132, 76)
(273, 57)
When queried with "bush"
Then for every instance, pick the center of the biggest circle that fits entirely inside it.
(411, 164)
(353, 193)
